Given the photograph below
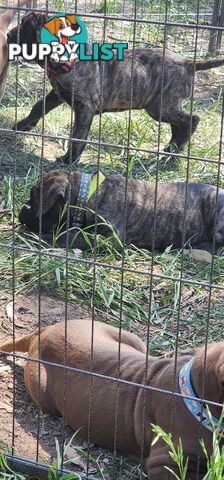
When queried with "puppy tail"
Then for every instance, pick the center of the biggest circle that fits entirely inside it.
(22, 344)
(207, 64)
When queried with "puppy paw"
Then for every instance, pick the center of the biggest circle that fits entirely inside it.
(22, 126)
(27, 217)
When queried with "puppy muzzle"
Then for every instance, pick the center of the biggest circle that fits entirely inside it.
(30, 218)
(27, 217)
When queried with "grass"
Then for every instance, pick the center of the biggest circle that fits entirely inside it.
(172, 313)
(100, 464)
(105, 290)
(102, 285)
(215, 460)
(74, 455)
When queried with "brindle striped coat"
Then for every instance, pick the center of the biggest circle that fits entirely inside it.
(154, 70)
(144, 228)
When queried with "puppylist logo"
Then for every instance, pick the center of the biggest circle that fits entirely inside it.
(63, 38)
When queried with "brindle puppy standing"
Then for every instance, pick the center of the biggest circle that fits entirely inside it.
(141, 221)
(115, 77)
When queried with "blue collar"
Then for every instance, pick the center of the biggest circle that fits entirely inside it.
(194, 406)
(78, 216)
(88, 185)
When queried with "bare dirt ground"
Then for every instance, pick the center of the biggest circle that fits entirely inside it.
(26, 414)
(31, 432)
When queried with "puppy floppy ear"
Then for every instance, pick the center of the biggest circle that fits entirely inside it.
(58, 191)
(51, 26)
(208, 208)
(72, 20)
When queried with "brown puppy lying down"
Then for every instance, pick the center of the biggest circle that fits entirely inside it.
(5, 20)
(152, 69)
(200, 211)
(158, 406)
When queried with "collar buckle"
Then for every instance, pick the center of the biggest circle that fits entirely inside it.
(195, 407)
(78, 217)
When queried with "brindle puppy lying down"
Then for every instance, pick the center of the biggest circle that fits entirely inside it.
(133, 400)
(151, 70)
(200, 210)
(199, 222)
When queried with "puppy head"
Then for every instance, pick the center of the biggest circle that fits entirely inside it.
(28, 31)
(214, 371)
(209, 208)
(27, 217)
(55, 192)
(220, 371)
(216, 366)
(219, 231)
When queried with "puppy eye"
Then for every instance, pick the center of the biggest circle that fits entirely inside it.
(67, 23)
(61, 25)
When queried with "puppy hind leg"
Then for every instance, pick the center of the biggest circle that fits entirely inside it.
(36, 384)
(52, 101)
(175, 129)
(132, 340)
(182, 127)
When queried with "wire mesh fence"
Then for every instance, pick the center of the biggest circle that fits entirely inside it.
(129, 231)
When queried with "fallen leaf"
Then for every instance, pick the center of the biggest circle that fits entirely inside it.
(167, 250)
(44, 432)
(4, 368)
(75, 458)
(86, 444)
(199, 255)
(19, 324)
(186, 294)
(23, 310)
(9, 311)
(6, 406)
(159, 286)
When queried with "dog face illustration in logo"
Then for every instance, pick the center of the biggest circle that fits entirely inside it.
(63, 27)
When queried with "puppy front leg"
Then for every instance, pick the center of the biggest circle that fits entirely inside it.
(52, 101)
(159, 459)
(83, 122)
